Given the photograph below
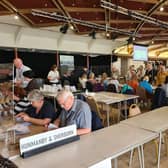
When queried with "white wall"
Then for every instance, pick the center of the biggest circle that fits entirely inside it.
(25, 37)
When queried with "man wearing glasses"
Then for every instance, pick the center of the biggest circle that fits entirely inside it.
(74, 111)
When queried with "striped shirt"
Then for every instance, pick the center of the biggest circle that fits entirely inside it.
(21, 105)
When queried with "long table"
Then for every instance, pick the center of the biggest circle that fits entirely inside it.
(11, 150)
(93, 148)
(109, 98)
(155, 120)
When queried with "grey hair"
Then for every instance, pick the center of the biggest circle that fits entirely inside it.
(64, 94)
(35, 95)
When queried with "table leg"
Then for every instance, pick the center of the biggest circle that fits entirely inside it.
(119, 114)
(136, 101)
(108, 114)
(159, 149)
(140, 157)
(125, 109)
(131, 157)
(115, 163)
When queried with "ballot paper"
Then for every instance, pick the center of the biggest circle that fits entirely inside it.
(52, 126)
(20, 129)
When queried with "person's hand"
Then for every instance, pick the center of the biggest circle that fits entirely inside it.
(25, 117)
(20, 114)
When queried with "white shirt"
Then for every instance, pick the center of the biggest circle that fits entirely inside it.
(54, 76)
(19, 75)
(19, 72)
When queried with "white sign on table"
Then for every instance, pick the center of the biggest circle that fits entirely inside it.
(43, 139)
(103, 164)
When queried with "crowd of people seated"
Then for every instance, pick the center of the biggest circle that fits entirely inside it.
(31, 106)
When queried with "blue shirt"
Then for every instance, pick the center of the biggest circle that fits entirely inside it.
(79, 114)
(147, 86)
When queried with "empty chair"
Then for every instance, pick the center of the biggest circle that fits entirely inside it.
(89, 86)
(94, 107)
(159, 98)
(141, 92)
(96, 122)
(111, 88)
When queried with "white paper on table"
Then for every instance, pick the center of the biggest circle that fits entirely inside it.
(52, 126)
(20, 129)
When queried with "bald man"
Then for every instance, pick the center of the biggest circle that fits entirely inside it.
(20, 68)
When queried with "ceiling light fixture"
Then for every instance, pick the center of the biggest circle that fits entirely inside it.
(93, 34)
(64, 28)
(57, 17)
(16, 17)
(162, 9)
(110, 6)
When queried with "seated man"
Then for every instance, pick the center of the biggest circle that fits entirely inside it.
(32, 82)
(74, 112)
(41, 112)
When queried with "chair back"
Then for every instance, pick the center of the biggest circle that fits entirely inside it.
(111, 88)
(159, 98)
(96, 122)
(134, 110)
(93, 105)
(89, 86)
(141, 92)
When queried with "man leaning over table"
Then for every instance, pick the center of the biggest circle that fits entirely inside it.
(41, 113)
(74, 111)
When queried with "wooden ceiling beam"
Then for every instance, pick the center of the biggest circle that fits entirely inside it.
(145, 1)
(26, 19)
(5, 13)
(9, 6)
(48, 24)
(150, 12)
(27, 11)
(79, 9)
(6, 7)
(15, 11)
(61, 6)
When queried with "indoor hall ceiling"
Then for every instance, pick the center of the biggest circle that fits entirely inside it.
(92, 11)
